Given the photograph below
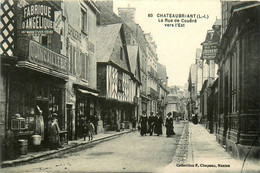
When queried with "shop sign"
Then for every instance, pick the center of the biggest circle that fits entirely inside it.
(73, 33)
(37, 19)
(210, 50)
(41, 55)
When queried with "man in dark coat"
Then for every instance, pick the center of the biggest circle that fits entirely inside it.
(169, 125)
(143, 122)
(151, 123)
(158, 124)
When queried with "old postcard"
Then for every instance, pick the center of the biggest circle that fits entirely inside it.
(130, 86)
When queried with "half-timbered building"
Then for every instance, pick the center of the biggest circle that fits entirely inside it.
(116, 82)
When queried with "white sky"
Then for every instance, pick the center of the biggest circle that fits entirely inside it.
(176, 47)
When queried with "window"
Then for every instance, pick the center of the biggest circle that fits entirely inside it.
(120, 81)
(46, 40)
(71, 55)
(84, 20)
(121, 53)
(84, 66)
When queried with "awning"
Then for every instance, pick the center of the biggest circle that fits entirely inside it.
(87, 92)
(246, 7)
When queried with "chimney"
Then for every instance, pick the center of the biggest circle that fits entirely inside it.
(127, 14)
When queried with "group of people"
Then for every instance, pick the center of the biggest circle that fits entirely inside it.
(88, 129)
(153, 124)
(89, 126)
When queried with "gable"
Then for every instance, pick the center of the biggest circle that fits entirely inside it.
(119, 55)
(106, 38)
(133, 54)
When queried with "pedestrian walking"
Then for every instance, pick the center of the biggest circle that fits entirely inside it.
(158, 124)
(90, 128)
(143, 122)
(169, 125)
(151, 123)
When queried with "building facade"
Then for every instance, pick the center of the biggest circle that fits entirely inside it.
(238, 91)
(51, 57)
(117, 84)
(209, 68)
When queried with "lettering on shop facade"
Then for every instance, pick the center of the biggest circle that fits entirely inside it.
(210, 50)
(41, 55)
(37, 19)
(73, 33)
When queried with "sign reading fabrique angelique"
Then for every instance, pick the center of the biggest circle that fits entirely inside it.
(37, 19)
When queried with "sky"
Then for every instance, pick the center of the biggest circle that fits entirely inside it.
(176, 46)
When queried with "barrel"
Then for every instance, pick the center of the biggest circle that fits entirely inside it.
(36, 139)
(23, 146)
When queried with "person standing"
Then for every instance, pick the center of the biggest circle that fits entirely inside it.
(143, 122)
(84, 128)
(90, 128)
(39, 124)
(54, 133)
(158, 124)
(151, 123)
(169, 125)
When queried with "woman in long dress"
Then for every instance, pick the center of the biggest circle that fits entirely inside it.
(143, 122)
(158, 125)
(169, 125)
(54, 133)
(39, 125)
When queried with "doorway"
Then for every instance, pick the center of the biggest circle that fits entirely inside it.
(69, 121)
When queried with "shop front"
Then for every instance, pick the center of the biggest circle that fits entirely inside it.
(116, 115)
(37, 91)
(86, 105)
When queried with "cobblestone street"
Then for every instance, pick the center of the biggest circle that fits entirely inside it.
(130, 152)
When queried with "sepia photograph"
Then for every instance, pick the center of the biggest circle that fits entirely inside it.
(146, 86)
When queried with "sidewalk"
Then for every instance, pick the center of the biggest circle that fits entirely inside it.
(73, 146)
(205, 154)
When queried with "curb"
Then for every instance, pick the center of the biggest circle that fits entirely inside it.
(58, 153)
(180, 157)
(190, 159)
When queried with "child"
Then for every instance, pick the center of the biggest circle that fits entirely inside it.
(90, 127)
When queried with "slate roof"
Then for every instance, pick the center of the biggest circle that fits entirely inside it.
(132, 54)
(106, 38)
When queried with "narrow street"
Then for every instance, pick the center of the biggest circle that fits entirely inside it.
(130, 152)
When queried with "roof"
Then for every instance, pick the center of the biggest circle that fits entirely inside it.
(132, 54)
(161, 70)
(107, 16)
(218, 22)
(106, 38)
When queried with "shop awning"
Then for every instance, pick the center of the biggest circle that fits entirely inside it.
(87, 92)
